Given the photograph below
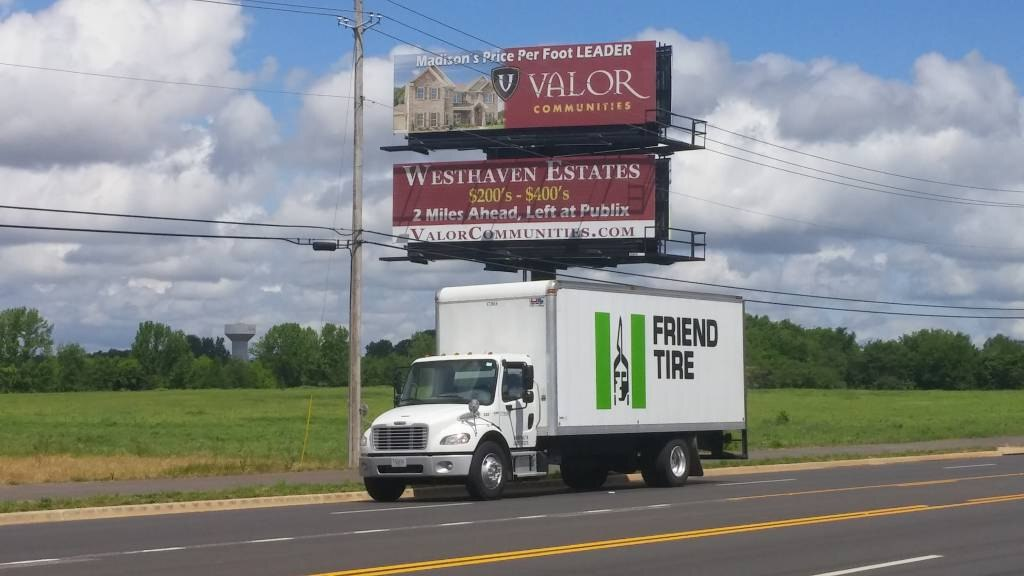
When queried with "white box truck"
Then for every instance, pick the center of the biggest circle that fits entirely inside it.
(595, 378)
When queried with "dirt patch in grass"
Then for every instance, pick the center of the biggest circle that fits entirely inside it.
(67, 468)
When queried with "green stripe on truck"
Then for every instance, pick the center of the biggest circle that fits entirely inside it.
(638, 360)
(603, 359)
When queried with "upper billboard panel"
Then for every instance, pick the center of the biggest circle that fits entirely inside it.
(533, 87)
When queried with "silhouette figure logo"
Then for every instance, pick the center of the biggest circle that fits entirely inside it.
(620, 377)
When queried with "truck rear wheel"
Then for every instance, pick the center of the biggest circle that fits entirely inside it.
(488, 472)
(670, 466)
(384, 489)
(583, 475)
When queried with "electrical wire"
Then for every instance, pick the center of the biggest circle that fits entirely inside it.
(844, 230)
(734, 287)
(871, 182)
(860, 187)
(859, 167)
(168, 218)
(436, 21)
(755, 301)
(418, 47)
(184, 83)
(297, 241)
(333, 13)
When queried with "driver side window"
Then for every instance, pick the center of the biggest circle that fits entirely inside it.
(512, 384)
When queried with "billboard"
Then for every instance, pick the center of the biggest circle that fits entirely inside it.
(531, 87)
(580, 198)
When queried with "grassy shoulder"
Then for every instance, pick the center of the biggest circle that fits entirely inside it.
(176, 433)
(173, 433)
(281, 489)
(796, 418)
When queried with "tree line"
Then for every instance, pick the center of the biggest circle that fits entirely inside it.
(779, 354)
(287, 355)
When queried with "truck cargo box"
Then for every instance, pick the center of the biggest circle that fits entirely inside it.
(609, 358)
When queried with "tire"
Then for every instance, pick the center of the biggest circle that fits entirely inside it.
(489, 472)
(671, 467)
(583, 475)
(649, 475)
(384, 489)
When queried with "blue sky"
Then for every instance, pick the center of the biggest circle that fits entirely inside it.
(882, 37)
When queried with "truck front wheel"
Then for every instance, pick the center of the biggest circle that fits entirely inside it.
(670, 466)
(384, 489)
(488, 472)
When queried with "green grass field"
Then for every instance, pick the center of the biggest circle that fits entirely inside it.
(792, 418)
(99, 435)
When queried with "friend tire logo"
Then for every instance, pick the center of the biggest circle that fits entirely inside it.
(621, 380)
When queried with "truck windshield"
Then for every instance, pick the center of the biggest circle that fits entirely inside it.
(450, 382)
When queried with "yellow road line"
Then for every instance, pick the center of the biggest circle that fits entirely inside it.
(657, 538)
(878, 486)
(618, 543)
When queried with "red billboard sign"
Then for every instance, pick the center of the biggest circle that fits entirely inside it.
(531, 87)
(594, 197)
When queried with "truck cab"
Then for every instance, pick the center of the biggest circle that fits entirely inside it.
(468, 418)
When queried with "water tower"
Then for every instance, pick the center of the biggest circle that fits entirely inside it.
(239, 334)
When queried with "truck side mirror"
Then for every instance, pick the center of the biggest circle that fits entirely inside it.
(398, 382)
(528, 378)
(528, 396)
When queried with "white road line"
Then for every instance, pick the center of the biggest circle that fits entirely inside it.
(375, 531)
(456, 524)
(601, 511)
(31, 562)
(401, 508)
(169, 549)
(968, 466)
(534, 517)
(659, 506)
(882, 565)
(265, 540)
(756, 482)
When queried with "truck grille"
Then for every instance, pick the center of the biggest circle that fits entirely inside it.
(400, 437)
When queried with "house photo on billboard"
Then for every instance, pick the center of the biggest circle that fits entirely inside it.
(430, 101)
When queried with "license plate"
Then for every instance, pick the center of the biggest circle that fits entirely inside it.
(399, 462)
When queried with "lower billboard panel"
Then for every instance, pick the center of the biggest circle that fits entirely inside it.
(557, 199)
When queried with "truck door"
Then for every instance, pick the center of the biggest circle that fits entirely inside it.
(519, 419)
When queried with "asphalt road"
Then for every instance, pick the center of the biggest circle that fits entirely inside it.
(935, 518)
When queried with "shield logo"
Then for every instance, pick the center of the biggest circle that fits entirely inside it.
(505, 81)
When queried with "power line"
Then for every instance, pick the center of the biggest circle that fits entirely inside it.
(276, 7)
(871, 182)
(844, 230)
(943, 200)
(182, 82)
(766, 302)
(168, 218)
(733, 287)
(417, 46)
(859, 167)
(448, 26)
(297, 241)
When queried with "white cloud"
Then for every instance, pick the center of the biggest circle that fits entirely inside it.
(119, 146)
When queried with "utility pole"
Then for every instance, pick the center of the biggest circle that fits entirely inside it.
(355, 401)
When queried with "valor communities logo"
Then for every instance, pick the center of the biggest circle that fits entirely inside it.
(621, 361)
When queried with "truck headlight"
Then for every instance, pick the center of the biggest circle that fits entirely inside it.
(363, 442)
(460, 438)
